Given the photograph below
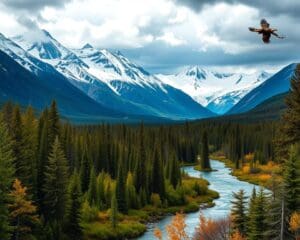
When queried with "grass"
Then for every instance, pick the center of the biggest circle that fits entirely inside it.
(259, 174)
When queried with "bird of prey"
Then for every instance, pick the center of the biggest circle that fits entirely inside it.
(266, 31)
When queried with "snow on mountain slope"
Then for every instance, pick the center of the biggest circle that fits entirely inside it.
(217, 91)
(277, 84)
(111, 79)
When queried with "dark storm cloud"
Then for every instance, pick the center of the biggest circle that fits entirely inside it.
(33, 5)
(288, 7)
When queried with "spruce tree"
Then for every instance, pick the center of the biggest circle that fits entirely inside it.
(290, 131)
(55, 186)
(53, 123)
(158, 184)
(23, 171)
(7, 171)
(239, 212)
(291, 179)
(42, 157)
(257, 217)
(73, 219)
(140, 171)
(205, 163)
(92, 190)
(85, 170)
(114, 211)
(121, 190)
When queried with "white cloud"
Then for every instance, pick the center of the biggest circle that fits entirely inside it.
(171, 39)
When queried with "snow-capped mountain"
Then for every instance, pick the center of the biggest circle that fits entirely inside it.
(112, 80)
(279, 83)
(219, 92)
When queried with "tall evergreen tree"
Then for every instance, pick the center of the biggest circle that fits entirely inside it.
(140, 172)
(42, 157)
(55, 187)
(92, 190)
(291, 179)
(7, 171)
(205, 163)
(85, 170)
(239, 212)
(290, 131)
(121, 189)
(114, 211)
(158, 184)
(53, 123)
(257, 217)
(22, 167)
(73, 219)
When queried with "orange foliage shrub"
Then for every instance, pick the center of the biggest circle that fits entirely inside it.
(237, 236)
(212, 229)
(295, 224)
(176, 230)
(249, 157)
(157, 233)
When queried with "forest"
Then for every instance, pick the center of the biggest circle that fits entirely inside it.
(64, 181)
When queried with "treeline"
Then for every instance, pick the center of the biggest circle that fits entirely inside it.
(67, 173)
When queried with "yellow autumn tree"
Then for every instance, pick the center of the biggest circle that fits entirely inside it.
(295, 224)
(237, 236)
(176, 230)
(22, 212)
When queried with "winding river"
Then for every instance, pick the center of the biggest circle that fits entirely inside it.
(222, 182)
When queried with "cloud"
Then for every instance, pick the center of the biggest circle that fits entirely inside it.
(170, 38)
(266, 7)
(33, 5)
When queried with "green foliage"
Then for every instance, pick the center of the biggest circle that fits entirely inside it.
(6, 178)
(92, 190)
(73, 215)
(114, 211)
(88, 213)
(239, 212)
(121, 190)
(55, 187)
(292, 179)
(204, 160)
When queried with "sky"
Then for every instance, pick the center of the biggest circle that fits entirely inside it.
(163, 36)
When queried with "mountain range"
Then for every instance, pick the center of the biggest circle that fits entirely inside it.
(218, 92)
(94, 84)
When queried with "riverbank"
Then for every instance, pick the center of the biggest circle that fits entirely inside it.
(196, 194)
(262, 175)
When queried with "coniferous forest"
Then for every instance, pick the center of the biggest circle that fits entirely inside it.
(59, 180)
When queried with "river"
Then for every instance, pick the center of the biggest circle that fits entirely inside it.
(221, 181)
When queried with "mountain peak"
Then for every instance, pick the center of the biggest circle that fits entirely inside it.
(87, 45)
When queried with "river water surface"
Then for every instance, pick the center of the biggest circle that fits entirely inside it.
(220, 181)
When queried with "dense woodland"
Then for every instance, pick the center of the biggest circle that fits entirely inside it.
(55, 175)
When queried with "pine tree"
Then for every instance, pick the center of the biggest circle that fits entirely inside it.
(53, 123)
(205, 163)
(239, 212)
(56, 179)
(257, 215)
(291, 180)
(290, 132)
(140, 172)
(29, 148)
(22, 212)
(85, 168)
(23, 171)
(175, 174)
(73, 219)
(158, 184)
(92, 190)
(6, 178)
(121, 190)
(114, 211)
(42, 158)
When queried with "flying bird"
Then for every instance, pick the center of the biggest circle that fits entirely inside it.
(266, 31)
